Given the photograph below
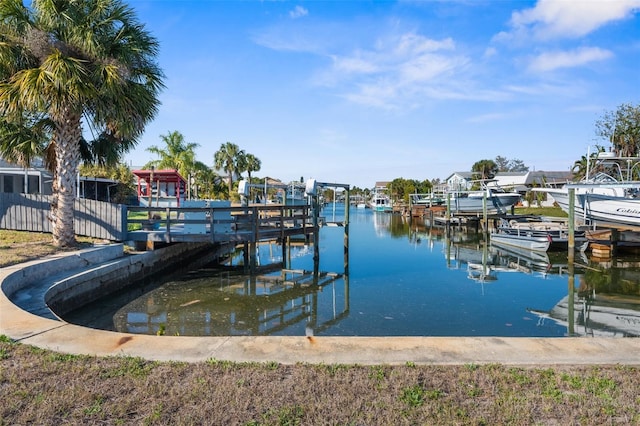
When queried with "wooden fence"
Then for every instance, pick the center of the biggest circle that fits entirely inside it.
(31, 212)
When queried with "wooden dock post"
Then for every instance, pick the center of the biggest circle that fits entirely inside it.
(316, 229)
(448, 221)
(485, 221)
(346, 232)
(572, 221)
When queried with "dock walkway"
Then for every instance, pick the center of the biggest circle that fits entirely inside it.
(237, 224)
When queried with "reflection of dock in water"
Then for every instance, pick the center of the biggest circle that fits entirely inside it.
(228, 303)
(296, 277)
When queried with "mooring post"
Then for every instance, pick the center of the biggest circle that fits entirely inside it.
(347, 207)
(448, 221)
(254, 240)
(245, 255)
(485, 221)
(316, 229)
(570, 259)
(572, 222)
(571, 294)
(285, 241)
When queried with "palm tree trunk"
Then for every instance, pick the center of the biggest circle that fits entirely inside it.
(67, 150)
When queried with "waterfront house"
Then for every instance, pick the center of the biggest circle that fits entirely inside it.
(460, 181)
(36, 179)
(523, 181)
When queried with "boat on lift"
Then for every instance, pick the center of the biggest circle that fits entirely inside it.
(608, 195)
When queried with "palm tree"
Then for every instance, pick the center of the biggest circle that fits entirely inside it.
(581, 166)
(177, 155)
(73, 62)
(22, 141)
(229, 158)
(251, 164)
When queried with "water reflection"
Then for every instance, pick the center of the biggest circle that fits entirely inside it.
(404, 278)
(223, 303)
(606, 301)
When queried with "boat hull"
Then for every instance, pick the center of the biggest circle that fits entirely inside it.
(523, 240)
(605, 208)
(474, 203)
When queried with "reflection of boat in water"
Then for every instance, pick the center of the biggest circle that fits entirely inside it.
(382, 224)
(486, 265)
(598, 315)
(517, 259)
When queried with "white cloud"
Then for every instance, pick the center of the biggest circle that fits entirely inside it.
(562, 18)
(355, 64)
(298, 12)
(550, 61)
(397, 71)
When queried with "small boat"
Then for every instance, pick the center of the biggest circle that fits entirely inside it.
(380, 202)
(536, 234)
(523, 239)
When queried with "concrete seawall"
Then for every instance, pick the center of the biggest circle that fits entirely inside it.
(69, 279)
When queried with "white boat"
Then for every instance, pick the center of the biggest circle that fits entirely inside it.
(380, 202)
(293, 195)
(497, 201)
(609, 197)
(528, 240)
(556, 231)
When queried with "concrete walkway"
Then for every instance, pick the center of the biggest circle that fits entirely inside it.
(46, 331)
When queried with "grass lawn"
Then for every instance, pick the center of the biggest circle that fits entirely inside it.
(542, 211)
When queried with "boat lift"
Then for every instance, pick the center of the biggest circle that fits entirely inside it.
(312, 190)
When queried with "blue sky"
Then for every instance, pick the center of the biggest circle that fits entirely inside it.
(362, 91)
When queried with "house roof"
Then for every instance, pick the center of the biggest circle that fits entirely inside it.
(465, 175)
(522, 179)
(163, 176)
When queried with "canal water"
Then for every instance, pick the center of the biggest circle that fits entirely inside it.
(400, 278)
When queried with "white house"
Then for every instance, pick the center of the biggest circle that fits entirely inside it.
(460, 181)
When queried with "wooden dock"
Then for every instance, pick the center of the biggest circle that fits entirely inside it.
(220, 224)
